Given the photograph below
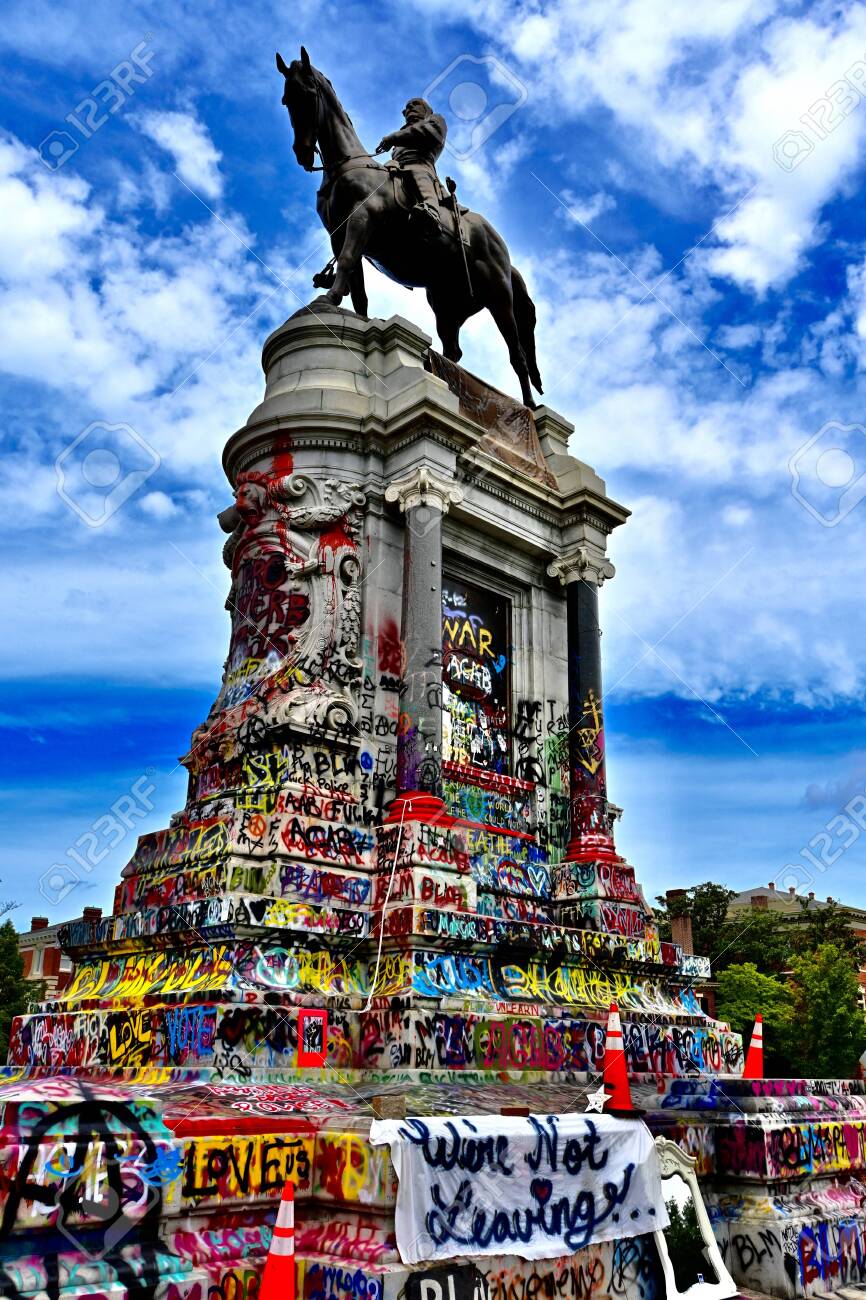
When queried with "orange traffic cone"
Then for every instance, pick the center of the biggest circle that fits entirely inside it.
(619, 1100)
(754, 1067)
(278, 1281)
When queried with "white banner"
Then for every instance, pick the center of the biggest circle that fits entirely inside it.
(538, 1186)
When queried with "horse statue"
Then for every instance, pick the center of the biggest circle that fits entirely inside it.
(362, 205)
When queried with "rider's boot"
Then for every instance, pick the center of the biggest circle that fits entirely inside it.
(426, 219)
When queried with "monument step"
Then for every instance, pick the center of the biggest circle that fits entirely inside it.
(256, 1039)
(626, 919)
(245, 833)
(83, 1272)
(292, 879)
(238, 969)
(450, 890)
(495, 860)
(213, 919)
(458, 926)
(596, 880)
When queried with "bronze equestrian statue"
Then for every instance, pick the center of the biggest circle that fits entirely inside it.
(403, 223)
(415, 148)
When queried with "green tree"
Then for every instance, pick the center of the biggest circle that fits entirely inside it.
(15, 990)
(829, 924)
(706, 904)
(743, 992)
(827, 1033)
(686, 1246)
(762, 938)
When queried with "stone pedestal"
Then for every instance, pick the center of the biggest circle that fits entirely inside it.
(782, 1164)
(397, 821)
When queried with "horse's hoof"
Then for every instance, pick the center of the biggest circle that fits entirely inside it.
(316, 306)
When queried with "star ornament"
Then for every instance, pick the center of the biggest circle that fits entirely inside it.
(595, 1101)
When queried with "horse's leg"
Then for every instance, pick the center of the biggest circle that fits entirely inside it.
(356, 277)
(448, 329)
(358, 291)
(501, 307)
(448, 321)
(349, 256)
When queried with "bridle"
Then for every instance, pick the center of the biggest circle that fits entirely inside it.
(352, 157)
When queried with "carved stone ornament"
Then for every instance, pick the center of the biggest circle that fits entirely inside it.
(295, 605)
(585, 564)
(423, 488)
(680, 1183)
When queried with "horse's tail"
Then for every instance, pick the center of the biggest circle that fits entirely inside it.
(524, 315)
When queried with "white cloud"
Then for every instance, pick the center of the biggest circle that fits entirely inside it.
(583, 211)
(42, 215)
(127, 591)
(120, 320)
(187, 140)
(704, 92)
(736, 516)
(158, 505)
(738, 336)
(158, 333)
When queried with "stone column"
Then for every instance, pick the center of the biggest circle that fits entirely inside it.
(591, 835)
(424, 499)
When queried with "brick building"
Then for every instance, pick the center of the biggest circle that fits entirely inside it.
(795, 908)
(40, 949)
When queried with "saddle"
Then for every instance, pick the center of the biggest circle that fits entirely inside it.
(405, 198)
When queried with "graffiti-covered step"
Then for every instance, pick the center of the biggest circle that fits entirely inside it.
(294, 880)
(234, 1041)
(449, 891)
(430, 1040)
(463, 926)
(260, 1041)
(245, 833)
(231, 970)
(784, 1168)
(494, 859)
(228, 916)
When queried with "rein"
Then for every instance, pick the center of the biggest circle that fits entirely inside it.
(333, 171)
(335, 167)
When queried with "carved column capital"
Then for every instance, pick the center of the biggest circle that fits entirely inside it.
(422, 487)
(584, 564)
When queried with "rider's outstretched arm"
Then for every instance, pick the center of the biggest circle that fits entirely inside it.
(428, 134)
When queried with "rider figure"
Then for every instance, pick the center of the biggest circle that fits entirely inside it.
(416, 146)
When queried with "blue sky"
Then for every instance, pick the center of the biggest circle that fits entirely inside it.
(680, 184)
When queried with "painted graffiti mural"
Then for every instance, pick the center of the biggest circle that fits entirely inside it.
(476, 657)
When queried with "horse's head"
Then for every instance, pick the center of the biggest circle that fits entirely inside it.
(301, 98)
